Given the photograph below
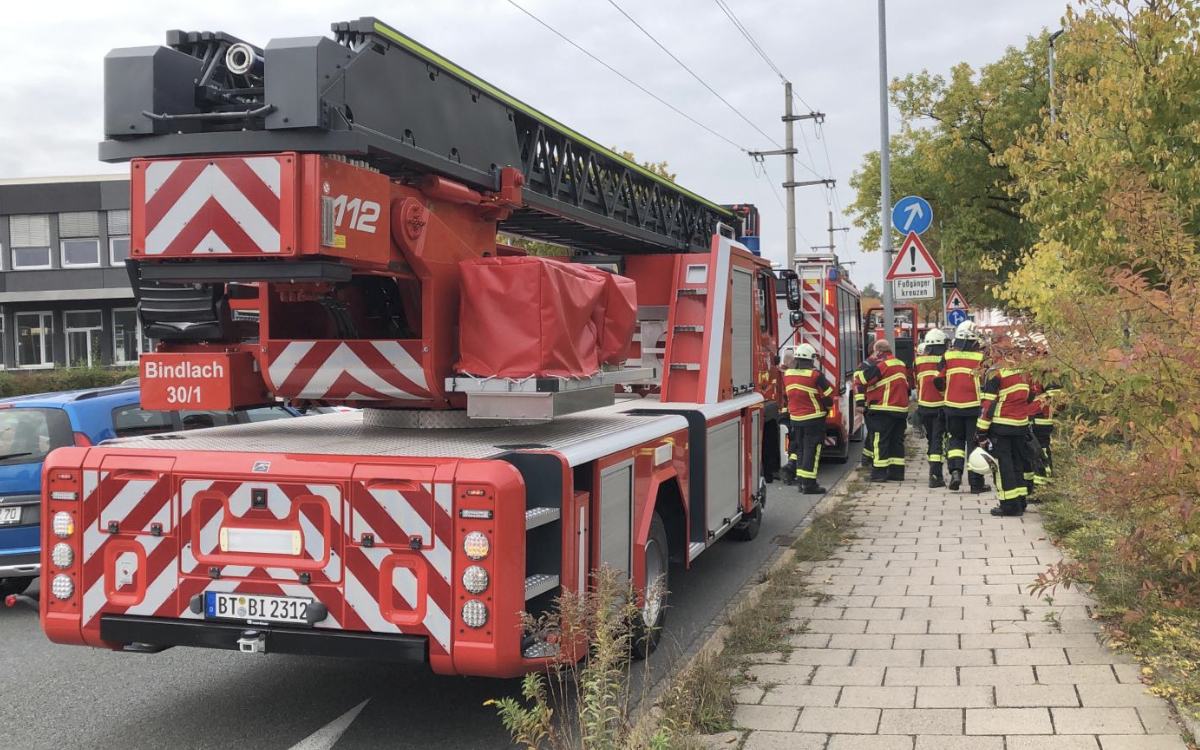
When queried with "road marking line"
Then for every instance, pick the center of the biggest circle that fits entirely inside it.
(327, 736)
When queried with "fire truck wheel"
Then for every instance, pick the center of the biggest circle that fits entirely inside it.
(10, 586)
(653, 614)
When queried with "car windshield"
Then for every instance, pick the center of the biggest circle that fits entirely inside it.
(27, 435)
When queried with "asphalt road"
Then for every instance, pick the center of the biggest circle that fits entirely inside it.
(64, 697)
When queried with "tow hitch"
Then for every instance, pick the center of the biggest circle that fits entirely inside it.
(13, 600)
(253, 642)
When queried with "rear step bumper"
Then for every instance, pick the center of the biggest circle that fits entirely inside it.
(410, 649)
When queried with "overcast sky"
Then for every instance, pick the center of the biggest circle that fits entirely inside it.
(52, 96)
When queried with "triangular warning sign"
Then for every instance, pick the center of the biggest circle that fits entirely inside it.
(913, 261)
(956, 301)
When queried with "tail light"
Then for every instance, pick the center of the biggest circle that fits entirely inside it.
(63, 536)
(82, 441)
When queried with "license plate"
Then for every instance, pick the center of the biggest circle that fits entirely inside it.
(10, 515)
(252, 607)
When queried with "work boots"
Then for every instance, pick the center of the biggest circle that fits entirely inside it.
(789, 473)
(935, 479)
(955, 479)
(810, 487)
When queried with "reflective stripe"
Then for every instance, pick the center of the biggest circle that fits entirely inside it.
(881, 407)
(956, 453)
(982, 425)
(807, 418)
(935, 458)
(1012, 422)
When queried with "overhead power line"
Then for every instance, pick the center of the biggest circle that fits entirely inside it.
(629, 80)
(692, 73)
(749, 38)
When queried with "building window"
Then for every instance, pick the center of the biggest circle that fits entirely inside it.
(127, 337)
(35, 346)
(29, 258)
(118, 223)
(29, 238)
(118, 250)
(80, 253)
(84, 329)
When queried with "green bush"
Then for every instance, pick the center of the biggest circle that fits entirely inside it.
(61, 379)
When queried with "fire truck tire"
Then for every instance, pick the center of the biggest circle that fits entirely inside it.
(10, 586)
(652, 616)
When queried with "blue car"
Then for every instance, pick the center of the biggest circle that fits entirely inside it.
(32, 426)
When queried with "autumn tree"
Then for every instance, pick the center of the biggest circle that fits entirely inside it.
(952, 132)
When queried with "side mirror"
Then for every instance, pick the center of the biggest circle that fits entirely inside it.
(795, 317)
(792, 283)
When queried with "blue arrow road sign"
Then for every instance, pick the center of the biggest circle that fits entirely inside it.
(954, 317)
(912, 214)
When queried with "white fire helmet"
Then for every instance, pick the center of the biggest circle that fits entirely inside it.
(935, 337)
(981, 462)
(806, 351)
(921, 348)
(966, 331)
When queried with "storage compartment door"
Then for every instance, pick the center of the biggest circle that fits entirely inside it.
(615, 513)
(724, 472)
(742, 339)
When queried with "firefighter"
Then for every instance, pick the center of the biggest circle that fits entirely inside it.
(1002, 427)
(863, 408)
(809, 398)
(1041, 415)
(930, 402)
(887, 382)
(789, 470)
(958, 378)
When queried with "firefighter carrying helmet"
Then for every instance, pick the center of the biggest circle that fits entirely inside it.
(966, 331)
(935, 337)
(806, 351)
(981, 462)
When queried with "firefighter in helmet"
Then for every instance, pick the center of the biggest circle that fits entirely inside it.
(887, 382)
(1003, 427)
(863, 408)
(931, 401)
(958, 376)
(809, 397)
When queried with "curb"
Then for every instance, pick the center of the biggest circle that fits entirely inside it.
(715, 642)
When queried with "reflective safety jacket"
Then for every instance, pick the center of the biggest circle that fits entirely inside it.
(1041, 403)
(860, 391)
(926, 371)
(809, 394)
(959, 373)
(886, 384)
(1005, 400)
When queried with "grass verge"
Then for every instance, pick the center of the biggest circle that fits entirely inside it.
(701, 700)
(1143, 618)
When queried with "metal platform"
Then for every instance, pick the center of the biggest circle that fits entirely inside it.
(542, 399)
(578, 437)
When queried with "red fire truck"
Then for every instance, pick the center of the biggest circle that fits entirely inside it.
(908, 331)
(524, 421)
(830, 319)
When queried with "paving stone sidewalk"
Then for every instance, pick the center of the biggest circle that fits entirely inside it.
(926, 638)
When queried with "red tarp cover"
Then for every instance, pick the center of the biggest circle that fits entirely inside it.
(522, 317)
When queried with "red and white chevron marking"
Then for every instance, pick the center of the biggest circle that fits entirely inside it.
(229, 205)
(349, 583)
(347, 370)
(819, 327)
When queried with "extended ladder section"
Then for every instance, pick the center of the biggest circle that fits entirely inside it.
(376, 95)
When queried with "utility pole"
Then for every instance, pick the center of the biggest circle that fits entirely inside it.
(789, 151)
(885, 184)
(833, 229)
(1053, 36)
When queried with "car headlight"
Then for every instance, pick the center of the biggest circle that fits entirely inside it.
(475, 614)
(476, 545)
(62, 555)
(64, 525)
(62, 587)
(475, 579)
